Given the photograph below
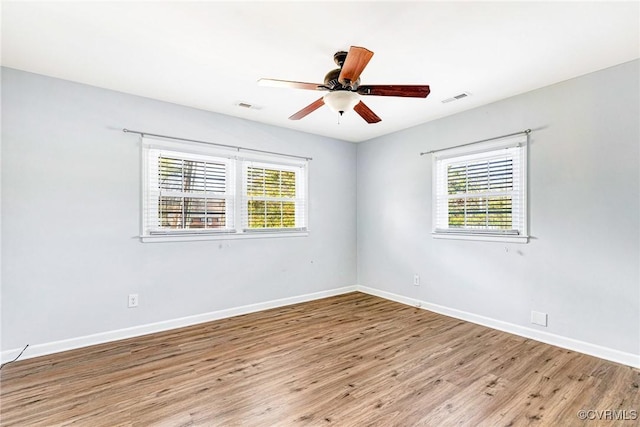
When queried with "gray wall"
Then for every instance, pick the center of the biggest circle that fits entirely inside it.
(582, 263)
(71, 214)
(71, 199)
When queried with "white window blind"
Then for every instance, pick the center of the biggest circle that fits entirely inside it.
(274, 197)
(481, 190)
(190, 190)
(188, 193)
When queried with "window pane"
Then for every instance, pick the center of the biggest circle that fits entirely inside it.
(216, 214)
(476, 212)
(170, 212)
(501, 175)
(272, 183)
(500, 213)
(257, 213)
(195, 212)
(477, 177)
(193, 176)
(457, 179)
(274, 215)
(288, 184)
(216, 177)
(456, 213)
(170, 174)
(255, 182)
(288, 214)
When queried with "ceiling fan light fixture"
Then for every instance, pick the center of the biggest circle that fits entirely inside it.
(344, 89)
(340, 101)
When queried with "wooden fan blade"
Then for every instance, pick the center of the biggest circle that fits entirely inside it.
(366, 113)
(291, 84)
(308, 109)
(357, 59)
(410, 91)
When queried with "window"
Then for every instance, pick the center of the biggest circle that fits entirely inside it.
(200, 193)
(273, 197)
(480, 191)
(188, 192)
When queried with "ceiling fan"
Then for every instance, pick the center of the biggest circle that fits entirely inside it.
(343, 85)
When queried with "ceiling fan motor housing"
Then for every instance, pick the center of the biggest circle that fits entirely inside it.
(331, 81)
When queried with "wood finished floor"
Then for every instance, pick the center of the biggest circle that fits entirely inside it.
(351, 360)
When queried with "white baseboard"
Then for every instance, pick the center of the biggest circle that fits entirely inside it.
(43, 349)
(606, 353)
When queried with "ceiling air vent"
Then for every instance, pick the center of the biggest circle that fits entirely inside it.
(456, 97)
(247, 105)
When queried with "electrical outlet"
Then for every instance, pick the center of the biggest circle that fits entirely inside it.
(538, 318)
(416, 280)
(133, 300)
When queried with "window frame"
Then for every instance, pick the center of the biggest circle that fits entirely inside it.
(299, 200)
(235, 164)
(479, 152)
(151, 201)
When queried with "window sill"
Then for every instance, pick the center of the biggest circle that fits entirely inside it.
(158, 238)
(482, 237)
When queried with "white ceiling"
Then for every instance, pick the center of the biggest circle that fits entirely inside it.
(209, 55)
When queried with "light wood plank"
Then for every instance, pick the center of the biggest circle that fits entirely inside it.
(350, 360)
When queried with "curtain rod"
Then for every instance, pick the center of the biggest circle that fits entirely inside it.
(235, 147)
(527, 131)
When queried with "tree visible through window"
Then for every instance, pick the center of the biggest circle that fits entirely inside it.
(271, 197)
